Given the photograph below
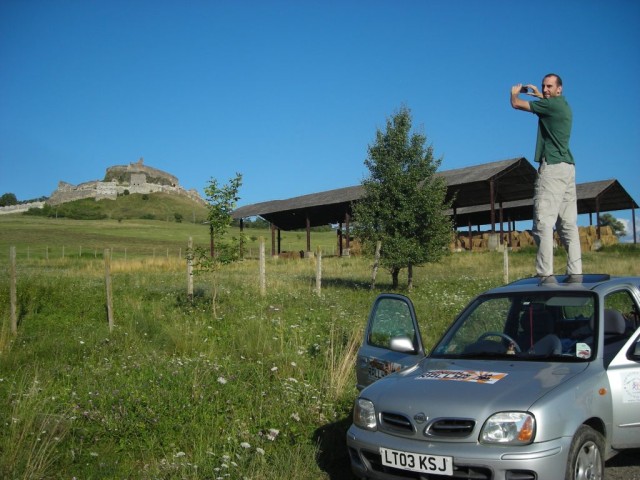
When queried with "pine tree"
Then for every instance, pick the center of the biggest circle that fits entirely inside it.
(404, 203)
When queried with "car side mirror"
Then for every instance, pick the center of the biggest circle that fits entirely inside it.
(402, 345)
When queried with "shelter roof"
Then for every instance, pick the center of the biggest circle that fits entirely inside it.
(603, 196)
(511, 182)
(600, 196)
(320, 208)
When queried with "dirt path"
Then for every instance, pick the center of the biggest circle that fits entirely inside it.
(624, 466)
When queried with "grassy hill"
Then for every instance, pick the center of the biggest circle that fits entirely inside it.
(153, 206)
(130, 227)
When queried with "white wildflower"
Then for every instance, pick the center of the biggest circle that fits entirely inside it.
(222, 380)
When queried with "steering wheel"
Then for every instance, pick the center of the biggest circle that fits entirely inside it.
(504, 336)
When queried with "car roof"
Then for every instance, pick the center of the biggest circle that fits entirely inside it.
(584, 282)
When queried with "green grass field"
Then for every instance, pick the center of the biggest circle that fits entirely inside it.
(40, 238)
(259, 387)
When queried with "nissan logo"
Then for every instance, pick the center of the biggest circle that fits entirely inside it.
(420, 417)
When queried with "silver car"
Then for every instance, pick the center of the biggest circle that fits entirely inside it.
(532, 381)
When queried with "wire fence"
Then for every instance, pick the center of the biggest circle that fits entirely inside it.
(137, 252)
(106, 257)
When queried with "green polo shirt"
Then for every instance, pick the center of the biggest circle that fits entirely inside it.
(554, 129)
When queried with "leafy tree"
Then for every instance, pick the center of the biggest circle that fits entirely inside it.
(8, 199)
(221, 201)
(606, 219)
(404, 202)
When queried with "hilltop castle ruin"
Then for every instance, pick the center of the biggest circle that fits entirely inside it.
(119, 179)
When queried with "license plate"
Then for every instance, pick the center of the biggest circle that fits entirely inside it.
(416, 462)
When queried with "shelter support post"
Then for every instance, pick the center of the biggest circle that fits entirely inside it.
(501, 224)
(493, 205)
(308, 251)
(598, 218)
(633, 220)
(347, 221)
(340, 239)
(279, 241)
(273, 240)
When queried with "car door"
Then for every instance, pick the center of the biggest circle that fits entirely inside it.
(624, 379)
(392, 340)
(624, 371)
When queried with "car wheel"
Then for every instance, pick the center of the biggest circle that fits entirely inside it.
(586, 461)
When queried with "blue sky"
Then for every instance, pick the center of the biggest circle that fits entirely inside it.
(290, 93)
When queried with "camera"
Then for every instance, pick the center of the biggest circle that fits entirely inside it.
(524, 89)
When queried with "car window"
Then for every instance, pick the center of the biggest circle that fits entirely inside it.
(619, 322)
(490, 316)
(623, 303)
(392, 319)
(526, 326)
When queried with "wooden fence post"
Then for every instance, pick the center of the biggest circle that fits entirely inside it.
(107, 274)
(376, 262)
(13, 290)
(263, 281)
(505, 258)
(319, 271)
(190, 270)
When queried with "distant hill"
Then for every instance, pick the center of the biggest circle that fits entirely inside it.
(151, 206)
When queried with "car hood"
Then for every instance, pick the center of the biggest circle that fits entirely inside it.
(468, 388)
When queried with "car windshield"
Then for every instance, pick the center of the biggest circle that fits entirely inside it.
(525, 326)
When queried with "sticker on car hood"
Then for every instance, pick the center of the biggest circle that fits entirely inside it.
(475, 376)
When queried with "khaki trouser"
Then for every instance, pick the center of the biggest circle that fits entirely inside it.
(554, 203)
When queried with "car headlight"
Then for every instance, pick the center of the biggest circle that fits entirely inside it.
(364, 414)
(515, 428)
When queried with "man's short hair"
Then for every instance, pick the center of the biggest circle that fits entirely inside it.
(558, 79)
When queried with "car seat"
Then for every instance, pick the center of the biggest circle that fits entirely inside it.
(535, 323)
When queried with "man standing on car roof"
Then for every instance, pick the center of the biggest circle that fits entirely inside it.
(554, 201)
